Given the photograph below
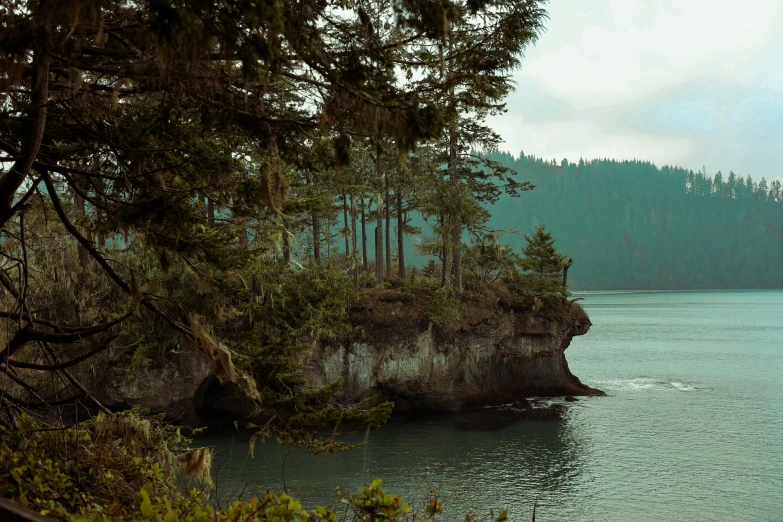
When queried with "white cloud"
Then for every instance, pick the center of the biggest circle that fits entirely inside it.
(574, 139)
(666, 80)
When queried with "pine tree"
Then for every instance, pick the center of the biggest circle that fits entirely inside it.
(543, 263)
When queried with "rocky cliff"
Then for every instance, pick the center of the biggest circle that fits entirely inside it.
(175, 387)
(502, 357)
(500, 360)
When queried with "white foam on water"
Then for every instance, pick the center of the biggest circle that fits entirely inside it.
(641, 383)
(644, 383)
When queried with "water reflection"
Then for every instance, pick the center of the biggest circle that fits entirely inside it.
(488, 458)
(502, 418)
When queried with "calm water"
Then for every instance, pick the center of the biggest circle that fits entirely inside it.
(692, 428)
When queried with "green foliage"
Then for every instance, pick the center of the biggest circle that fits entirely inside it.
(62, 471)
(532, 283)
(79, 475)
(531, 294)
(374, 505)
(489, 261)
(270, 508)
(431, 270)
(543, 263)
(541, 258)
(444, 308)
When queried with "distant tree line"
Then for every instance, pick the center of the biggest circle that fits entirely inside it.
(632, 225)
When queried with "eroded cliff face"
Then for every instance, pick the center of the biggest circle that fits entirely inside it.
(398, 355)
(175, 387)
(502, 359)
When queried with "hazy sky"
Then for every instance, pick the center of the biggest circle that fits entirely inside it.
(687, 82)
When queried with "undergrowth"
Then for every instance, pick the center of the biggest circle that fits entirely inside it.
(122, 468)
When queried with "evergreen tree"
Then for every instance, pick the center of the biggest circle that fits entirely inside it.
(472, 67)
(542, 261)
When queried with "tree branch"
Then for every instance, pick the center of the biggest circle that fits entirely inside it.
(67, 364)
(36, 124)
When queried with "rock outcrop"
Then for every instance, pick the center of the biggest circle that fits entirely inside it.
(503, 359)
(176, 387)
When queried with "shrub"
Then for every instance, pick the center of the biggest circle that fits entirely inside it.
(83, 474)
(444, 309)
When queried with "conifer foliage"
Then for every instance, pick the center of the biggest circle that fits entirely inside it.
(543, 264)
(541, 258)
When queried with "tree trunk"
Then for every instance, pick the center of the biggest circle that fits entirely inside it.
(378, 223)
(456, 225)
(35, 124)
(286, 245)
(565, 274)
(457, 259)
(210, 213)
(445, 280)
(388, 231)
(316, 237)
(345, 228)
(355, 262)
(78, 203)
(445, 276)
(400, 236)
(244, 240)
(365, 262)
(328, 237)
(100, 219)
(379, 241)
(456, 220)
(566, 266)
(100, 236)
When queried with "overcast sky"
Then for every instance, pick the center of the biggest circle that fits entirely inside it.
(685, 82)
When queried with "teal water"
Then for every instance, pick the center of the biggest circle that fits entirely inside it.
(691, 429)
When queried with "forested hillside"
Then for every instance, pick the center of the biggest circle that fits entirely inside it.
(632, 225)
